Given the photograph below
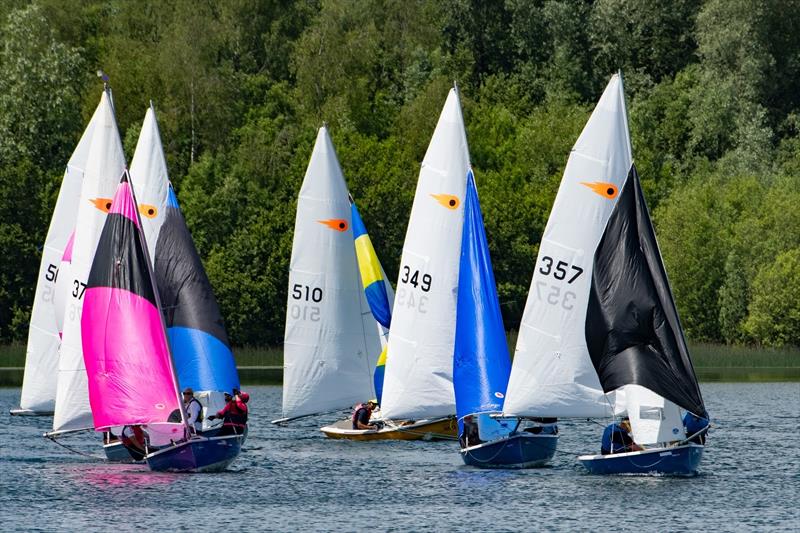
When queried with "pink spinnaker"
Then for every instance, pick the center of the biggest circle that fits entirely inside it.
(125, 349)
(127, 359)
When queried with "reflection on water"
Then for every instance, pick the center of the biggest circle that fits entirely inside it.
(294, 478)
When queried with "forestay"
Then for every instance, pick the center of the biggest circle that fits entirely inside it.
(41, 362)
(552, 374)
(419, 367)
(105, 164)
(331, 343)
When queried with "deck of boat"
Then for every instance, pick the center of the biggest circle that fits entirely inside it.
(434, 429)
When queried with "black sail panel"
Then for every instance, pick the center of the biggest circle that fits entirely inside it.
(632, 328)
(120, 261)
(185, 291)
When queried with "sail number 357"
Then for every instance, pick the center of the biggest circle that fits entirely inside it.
(559, 269)
(554, 294)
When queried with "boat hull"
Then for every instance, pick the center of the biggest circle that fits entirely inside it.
(677, 460)
(521, 450)
(201, 454)
(437, 429)
(29, 412)
(116, 452)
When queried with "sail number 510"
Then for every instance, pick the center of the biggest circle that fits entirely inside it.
(559, 269)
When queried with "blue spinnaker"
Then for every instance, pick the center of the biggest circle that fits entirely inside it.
(200, 347)
(481, 365)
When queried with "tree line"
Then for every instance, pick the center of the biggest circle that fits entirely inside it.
(241, 86)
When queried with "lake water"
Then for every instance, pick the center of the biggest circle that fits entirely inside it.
(295, 479)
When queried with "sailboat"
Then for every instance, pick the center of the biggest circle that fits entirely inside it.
(481, 365)
(105, 163)
(38, 395)
(331, 342)
(197, 335)
(418, 400)
(600, 333)
(131, 376)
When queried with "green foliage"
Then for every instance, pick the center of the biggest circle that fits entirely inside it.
(775, 308)
(241, 88)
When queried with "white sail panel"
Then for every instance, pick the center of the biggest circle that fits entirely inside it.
(331, 345)
(419, 368)
(552, 373)
(44, 339)
(653, 419)
(104, 167)
(150, 180)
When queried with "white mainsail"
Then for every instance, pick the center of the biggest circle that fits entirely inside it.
(331, 345)
(419, 368)
(150, 180)
(104, 167)
(41, 361)
(552, 374)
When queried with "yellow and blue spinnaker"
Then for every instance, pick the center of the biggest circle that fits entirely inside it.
(374, 287)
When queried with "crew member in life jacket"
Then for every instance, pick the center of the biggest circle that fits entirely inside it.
(362, 414)
(696, 427)
(617, 438)
(133, 438)
(233, 415)
(194, 410)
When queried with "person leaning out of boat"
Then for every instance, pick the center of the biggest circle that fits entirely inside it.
(617, 438)
(233, 415)
(362, 414)
(696, 427)
(194, 410)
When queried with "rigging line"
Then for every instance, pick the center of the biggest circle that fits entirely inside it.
(73, 450)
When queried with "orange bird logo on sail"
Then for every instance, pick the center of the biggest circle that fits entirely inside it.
(104, 205)
(338, 224)
(447, 200)
(604, 189)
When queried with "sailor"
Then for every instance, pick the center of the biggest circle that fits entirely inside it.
(362, 414)
(194, 410)
(617, 438)
(233, 415)
(696, 427)
(134, 440)
(245, 398)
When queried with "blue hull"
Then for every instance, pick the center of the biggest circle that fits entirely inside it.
(677, 461)
(200, 454)
(522, 450)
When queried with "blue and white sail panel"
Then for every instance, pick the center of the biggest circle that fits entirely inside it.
(481, 365)
(199, 342)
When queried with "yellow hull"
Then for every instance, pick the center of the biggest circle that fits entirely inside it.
(438, 429)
